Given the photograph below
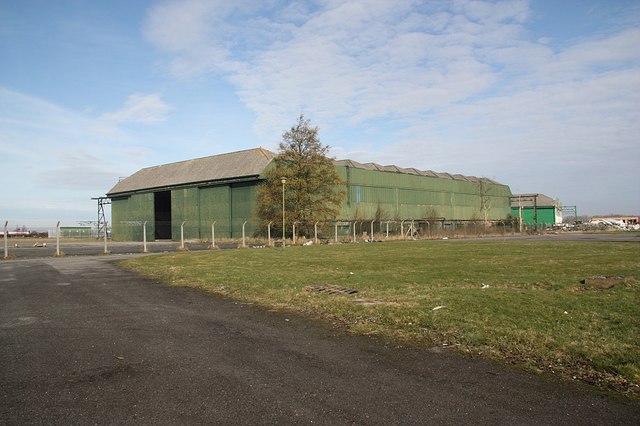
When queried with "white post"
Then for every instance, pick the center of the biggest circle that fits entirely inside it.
(520, 214)
(402, 229)
(144, 237)
(6, 242)
(243, 237)
(387, 229)
(294, 233)
(284, 224)
(315, 232)
(269, 232)
(371, 236)
(354, 231)
(213, 235)
(58, 239)
(106, 251)
(336, 231)
(182, 236)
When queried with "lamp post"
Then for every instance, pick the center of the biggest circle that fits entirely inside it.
(283, 180)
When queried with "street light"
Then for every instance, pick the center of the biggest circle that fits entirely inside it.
(283, 180)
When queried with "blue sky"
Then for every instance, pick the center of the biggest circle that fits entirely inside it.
(543, 96)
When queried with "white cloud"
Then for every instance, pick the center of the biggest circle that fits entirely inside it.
(459, 81)
(56, 159)
(354, 61)
(139, 108)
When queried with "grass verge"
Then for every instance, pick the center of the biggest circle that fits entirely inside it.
(533, 311)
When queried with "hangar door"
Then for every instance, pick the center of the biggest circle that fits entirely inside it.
(162, 214)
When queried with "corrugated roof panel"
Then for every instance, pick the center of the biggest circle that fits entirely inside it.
(460, 177)
(250, 162)
(391, 168)
(530, 200)
(369, 166)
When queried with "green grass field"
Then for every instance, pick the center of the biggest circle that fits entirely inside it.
(535, 313)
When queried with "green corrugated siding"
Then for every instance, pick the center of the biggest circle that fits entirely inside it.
(397, 195)
(214, 206)
(134, 208)
(185, 208)
(243, 200)
(404, 196)
(540, 215)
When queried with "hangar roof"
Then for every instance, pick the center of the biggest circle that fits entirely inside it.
(240, 164)
(247, 163)
(408, 171)
(531, 200)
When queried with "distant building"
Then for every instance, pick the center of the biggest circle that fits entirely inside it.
(536, 209)
(627, 221)
(223, 189)
(76, 232)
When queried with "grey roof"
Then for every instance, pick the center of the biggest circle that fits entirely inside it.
(531, 200)
(240, 164)
(409, 171)
(248, 163)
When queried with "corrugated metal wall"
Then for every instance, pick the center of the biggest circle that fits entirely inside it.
(373, 193)
(215, 206)
(127, 215)
(243, 199)
(198, 207)
(540, 215)
(185, 208)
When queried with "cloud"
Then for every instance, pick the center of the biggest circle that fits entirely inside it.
(139, 108)
(354, 61)
(56, 159)
(466, 84)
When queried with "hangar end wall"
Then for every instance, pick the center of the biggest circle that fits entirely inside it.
(229, 205)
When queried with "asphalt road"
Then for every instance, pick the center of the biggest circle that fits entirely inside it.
(34, 248)
(84, 342)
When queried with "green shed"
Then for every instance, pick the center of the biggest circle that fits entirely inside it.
(536, 209)
(223, 189)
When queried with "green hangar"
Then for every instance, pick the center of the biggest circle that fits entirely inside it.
(223, 189)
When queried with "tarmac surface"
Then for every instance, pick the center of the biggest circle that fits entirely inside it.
(85, 342)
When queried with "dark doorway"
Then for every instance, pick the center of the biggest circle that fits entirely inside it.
(162, 210)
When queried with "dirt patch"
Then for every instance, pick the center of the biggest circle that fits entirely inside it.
(602, 282)
(330, 289)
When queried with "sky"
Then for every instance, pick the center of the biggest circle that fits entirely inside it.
(540, 95)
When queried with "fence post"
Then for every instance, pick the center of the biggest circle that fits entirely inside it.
(371, 236)
(144, 237)
(336, 231)
(106, 251)
(6, 242)
(294, 233)
(213, 235)
(269, 233)
(315, 232)
(58, 239)
(354, 232)
(387, 229)
(243, 237)
(402, 229)
(182, 236)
